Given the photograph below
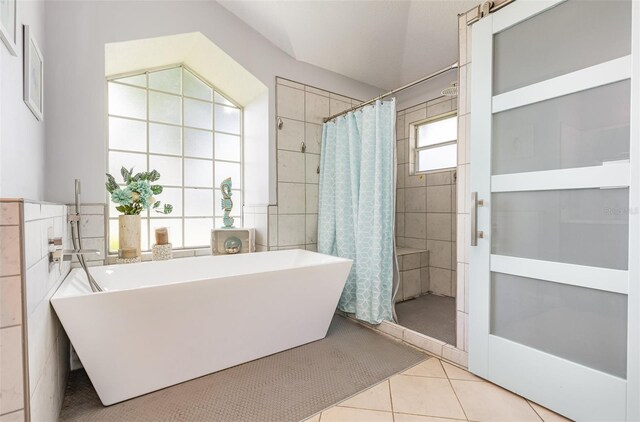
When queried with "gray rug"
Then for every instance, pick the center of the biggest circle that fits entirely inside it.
(288, 386)
(432, 315)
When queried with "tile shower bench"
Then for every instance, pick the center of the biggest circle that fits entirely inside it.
(414, 273)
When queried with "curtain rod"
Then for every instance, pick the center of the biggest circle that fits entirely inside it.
(402, 88)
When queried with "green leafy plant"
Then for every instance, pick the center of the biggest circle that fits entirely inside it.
(138, 194)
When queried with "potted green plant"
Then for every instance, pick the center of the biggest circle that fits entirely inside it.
(138, 194)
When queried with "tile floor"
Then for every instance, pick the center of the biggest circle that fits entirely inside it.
(436, 391)
(431, 315)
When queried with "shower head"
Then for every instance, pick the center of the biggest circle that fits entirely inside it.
(450, 91)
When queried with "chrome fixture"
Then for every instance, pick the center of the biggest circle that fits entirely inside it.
(280, 123)
(76, 238)
(475, 203)
(386, 94)
(303, 147)
(58, 255)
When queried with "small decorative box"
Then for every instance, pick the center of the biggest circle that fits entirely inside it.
(161, 252)
(230, 241)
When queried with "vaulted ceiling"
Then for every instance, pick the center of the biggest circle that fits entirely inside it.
(383, 43)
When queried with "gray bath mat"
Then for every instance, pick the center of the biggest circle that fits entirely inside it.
(288, 386)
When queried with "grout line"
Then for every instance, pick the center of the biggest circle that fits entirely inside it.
(391, 399)
(456, 394)
(534, 410)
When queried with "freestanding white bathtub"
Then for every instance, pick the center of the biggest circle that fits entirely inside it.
(161, 323)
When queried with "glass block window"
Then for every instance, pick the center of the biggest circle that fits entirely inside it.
(173, 121)
(436, 144)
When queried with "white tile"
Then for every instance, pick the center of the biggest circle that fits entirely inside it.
(291, 198)
(415, 199)
(10, 301)
(413, 180)
(439, 178)
(313, 137)
(33, 242)
(92, 226)
(461, 189)
(291, 230)
(261, 224)
(9, 213)
(292, 135)
(439, 226)
(401, 151)
(416, 225)
(377, 397)
(412, 117)
(400, 176)
(290, 102)
(438, 198)
(312, 247)
(11, 382)
(291, 167)
(400, 127)
(400, 224)
(460, 297)
(311, 199)
(316, 108)
(440, 108)
(483, 401)
(423, 342)
(462, 90)
(31, 211)
(318, 91)
(347, 414)
(94, 243)
(460, 340)
(17, 416)
(51, 210)
(439, 253)
(10, 261)
(273, 230)
(440, 281)
(411, 283)
(282, 81)
(400, 202)
(429, 368)
(391, 329)
(44, 399)
(312, 163)
(88, 209)
(337, 106)
(425, 396)
(311, 228)
(411, 261)
(410, 242)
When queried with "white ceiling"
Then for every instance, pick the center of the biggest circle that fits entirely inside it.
(383, 43)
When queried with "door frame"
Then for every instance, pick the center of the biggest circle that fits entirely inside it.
(483, 105)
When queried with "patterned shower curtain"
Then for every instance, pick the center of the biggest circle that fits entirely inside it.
(356, 206)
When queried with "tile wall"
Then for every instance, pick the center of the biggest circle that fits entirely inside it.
(34, 356)
(48, 346)
(426, 203)
(414, 273)
(463, 188)
(12, 324)
(293, 223)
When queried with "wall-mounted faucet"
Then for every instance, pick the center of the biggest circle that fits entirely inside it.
(57, 254)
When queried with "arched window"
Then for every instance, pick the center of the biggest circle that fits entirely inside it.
(173, 121)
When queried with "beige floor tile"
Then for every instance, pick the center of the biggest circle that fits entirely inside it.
(429, 368)
(455, 373)
(315, 418)
(401, 417)
(347, 414)
(486, 402)
(547, 415)
(425, 396)
(375, 398)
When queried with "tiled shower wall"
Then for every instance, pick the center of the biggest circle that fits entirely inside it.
(34, 348)
(48, 346)
(293, 223)
(12, 324)
(426, 203)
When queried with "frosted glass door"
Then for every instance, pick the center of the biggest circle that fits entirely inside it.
(553, 284)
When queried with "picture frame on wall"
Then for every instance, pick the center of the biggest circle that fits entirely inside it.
(9, 25)
(33, 75)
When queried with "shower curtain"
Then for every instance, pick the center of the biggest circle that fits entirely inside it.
(356, 206)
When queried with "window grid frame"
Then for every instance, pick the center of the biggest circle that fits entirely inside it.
(147, 215)
(416, 150)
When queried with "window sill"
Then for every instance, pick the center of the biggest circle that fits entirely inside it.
(177, 253)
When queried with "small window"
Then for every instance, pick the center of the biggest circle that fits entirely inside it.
(436, 144)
